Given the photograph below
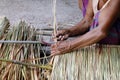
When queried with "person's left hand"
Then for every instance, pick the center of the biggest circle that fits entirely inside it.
(60, 47)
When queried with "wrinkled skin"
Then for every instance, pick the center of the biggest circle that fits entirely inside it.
(63, 45)
(60, 47)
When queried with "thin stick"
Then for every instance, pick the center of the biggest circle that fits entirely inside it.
(20, 42)
(54, 26)
(25, 64)
(54, 19)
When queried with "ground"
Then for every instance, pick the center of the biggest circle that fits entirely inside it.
(38, 13)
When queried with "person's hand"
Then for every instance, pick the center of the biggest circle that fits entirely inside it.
(61, 47)
(62, 35)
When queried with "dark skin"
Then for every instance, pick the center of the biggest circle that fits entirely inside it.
(91, 37)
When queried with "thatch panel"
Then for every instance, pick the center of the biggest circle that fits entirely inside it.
(96, 62)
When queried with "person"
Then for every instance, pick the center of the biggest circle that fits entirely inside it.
(100, 24)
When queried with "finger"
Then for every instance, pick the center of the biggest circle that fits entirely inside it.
(65, 37)
(59, 38)
(57, 34)
(62, 38)
(54, 53)
(60, 32)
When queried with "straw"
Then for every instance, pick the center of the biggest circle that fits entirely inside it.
(95, 62)
(21, 53)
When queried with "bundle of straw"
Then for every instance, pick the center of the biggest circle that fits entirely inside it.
(4, 25)
(28, 56)
(95, 62)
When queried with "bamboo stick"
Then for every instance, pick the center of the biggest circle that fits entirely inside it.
(25, 64)
(20, 42)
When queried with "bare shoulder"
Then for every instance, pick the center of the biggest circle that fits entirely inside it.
(109, 14)
(114, 3)
(112, 8)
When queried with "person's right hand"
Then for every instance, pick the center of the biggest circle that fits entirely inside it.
(62, 35)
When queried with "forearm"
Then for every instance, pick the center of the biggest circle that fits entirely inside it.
(87, 39)
(80, 28)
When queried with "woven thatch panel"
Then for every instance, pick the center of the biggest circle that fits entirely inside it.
(90, 63)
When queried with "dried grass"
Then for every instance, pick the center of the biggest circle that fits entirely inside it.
(95, 62)
(18, 61)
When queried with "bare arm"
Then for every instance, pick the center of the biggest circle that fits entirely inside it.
(85, 23)
(106, 18)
